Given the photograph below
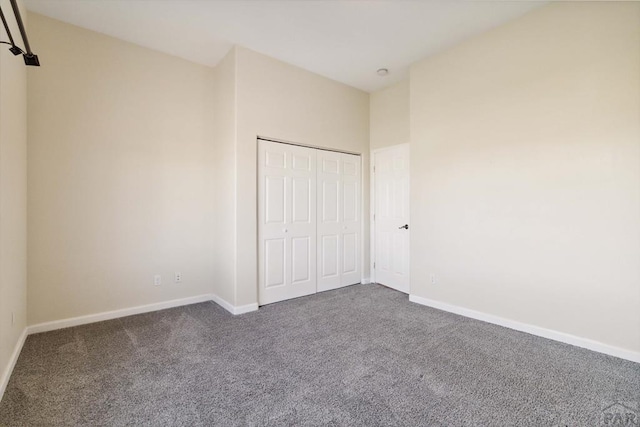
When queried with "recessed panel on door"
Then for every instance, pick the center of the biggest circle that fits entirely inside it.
(275, 159)
(383, 251)
(302, 162)
(275, 199)
(301, 202)
(329, 254)
(274, 262)
(350, 253)
(398, 247)
(330, 166)
(398, 196)
(350, 201)
(351, 166)
(330, 203)
(301, 259)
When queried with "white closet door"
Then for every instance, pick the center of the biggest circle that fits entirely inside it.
(338, 220)
(351, 225)
(286, 221)
(329, 221)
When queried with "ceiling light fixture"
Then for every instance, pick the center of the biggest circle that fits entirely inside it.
(14, 49)
(382, 72)
(30, 58)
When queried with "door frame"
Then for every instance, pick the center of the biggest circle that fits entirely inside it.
(372, 210)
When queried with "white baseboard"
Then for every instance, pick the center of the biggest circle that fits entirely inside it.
(531, 329)
(6, 374)
(223, 303)
(235, 310)
(108, 315)
(247, 308)
(366, 281)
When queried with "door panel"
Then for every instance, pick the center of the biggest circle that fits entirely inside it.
(338, 220)
(275, 262)
(275, 159)
(329, 202)
(329, 227)
(351, 166)
(301, 199)
(392, 212)
(286, 221)
(329, 252)
(301, 259)
(350, 202)
(302, 162)
(330, 165)
(351, 220)
(350, 253)
(383, 250)
(275, 199)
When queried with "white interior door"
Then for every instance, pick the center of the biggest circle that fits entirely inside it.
(351, 220)
(286, 221)
(391, 217)
(338, 189)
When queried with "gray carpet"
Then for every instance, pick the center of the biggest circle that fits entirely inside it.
(362, 355)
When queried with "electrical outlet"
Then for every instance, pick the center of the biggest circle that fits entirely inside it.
(178, 277)
(433, 279)
(157, 280)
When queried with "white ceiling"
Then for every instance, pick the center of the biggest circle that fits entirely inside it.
(344, 40)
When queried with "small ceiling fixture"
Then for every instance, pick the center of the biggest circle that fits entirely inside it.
(382, 72)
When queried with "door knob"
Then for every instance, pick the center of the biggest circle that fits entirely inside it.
(406, 227)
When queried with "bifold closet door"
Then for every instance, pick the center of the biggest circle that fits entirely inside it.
(339, 225)
(286, 221)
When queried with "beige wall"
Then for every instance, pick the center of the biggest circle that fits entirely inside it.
(120, 179)
(525, 146)
(224, 167)
(389, 116)
(141, 163)
(281, 101)
(13, 193)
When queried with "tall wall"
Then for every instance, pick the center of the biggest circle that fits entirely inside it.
(389, 116)
(120, 174)
(224, 168)
(281, 101)
(13, 196)
(524, 141)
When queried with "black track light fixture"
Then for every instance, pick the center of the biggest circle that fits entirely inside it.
(29, 57)
(14, 49)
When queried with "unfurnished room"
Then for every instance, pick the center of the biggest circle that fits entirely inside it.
(319, 212)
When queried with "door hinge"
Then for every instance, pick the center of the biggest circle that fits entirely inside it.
(374, 265)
